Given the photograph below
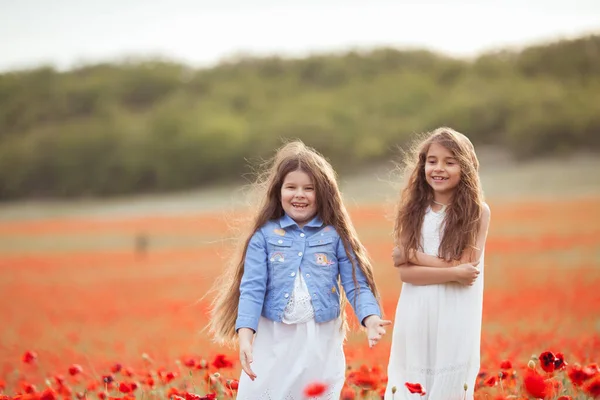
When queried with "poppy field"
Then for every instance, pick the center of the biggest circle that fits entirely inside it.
(103, 308)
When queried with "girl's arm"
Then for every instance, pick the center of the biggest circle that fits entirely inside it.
(361, 299)
(417, 258)
(422, 275)
(254, 283)
(464, 273)
(471, 256)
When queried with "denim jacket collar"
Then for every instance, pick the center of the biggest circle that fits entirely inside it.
(286, 221)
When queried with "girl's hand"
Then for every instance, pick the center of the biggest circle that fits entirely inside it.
(375, 328)
(466, 274)
(398, 256)
(245, 336)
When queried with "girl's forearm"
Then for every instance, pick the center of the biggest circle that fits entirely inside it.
(425, 275)
(420, 258)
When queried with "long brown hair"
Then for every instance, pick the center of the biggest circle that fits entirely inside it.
(291, 157)
(462, 215)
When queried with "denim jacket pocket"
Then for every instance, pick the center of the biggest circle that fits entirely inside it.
(322, 258)
(279, 251)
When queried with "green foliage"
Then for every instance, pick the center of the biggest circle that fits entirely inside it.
(156, 126)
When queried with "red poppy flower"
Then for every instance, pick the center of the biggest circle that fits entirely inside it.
(149, 381)
(59, 379)
(564, 398)
(116, 368)
(233, 384)
(193, 396)
(491, 381)
(365, 377)
(169, 376)
(28, 387)
(173, 391)
(315, 389)
(506, 364)
(592, 387)
(29, 357)
(221, 361)
(75, 369)
(348, 394)
(547, 360)
(559, 362)
(48, 394)
(415, 388)
(535, 385)
(578, 375)
(189, 362)
(65, 390)
(125, 387)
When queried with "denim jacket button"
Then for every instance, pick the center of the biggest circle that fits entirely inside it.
(280, 241)
(286, 295)
(308, 275)
(300, 254)
(293, 274)
(302, 235)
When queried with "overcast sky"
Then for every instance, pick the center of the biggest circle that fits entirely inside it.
(65, 33)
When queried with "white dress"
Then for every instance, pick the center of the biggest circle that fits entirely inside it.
(291, 354)
(437, 332)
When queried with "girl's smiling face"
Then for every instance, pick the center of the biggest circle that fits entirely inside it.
(298, 197)
(442, 169)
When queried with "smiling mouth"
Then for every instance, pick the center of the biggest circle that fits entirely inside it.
(439, 178)
(299, 205)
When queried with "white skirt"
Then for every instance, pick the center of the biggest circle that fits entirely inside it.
(287, 358)
(436, 339)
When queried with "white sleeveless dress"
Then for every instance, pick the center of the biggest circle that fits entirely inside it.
(291, 354)
(437, 332)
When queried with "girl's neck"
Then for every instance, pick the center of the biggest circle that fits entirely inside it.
(441, 201)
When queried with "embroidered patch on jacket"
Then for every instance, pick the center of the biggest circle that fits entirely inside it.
(279, 232)
(277, 257)
(321, 259)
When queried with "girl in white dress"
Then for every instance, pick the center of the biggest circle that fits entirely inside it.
(441, 229)
(283, 300)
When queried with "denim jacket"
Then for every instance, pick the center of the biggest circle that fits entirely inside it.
(277, 251)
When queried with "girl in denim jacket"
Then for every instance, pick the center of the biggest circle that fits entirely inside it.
(283, 301)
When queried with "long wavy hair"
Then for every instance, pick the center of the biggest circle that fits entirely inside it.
(293, 156)
(461, 222)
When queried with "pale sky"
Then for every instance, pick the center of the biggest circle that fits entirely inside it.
(67, 33)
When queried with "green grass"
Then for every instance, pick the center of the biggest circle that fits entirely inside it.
(502, 178)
